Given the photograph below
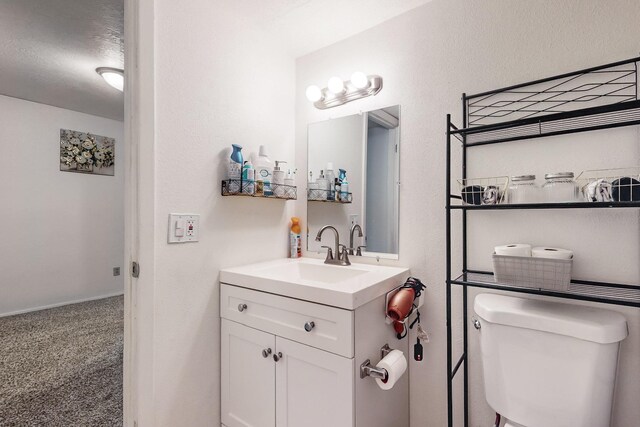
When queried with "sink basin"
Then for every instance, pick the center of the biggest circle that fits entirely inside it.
(303, 271)
(310, 279)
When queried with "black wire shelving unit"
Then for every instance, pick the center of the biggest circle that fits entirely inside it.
(597, 98)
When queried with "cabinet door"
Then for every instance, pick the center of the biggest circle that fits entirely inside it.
(314, 388)
(248, 378)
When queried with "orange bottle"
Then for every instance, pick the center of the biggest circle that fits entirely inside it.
(295, 240)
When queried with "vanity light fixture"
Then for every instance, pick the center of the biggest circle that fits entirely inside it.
(339, 92)
(113, 76)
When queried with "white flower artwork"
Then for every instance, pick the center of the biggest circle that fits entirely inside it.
(86, 153)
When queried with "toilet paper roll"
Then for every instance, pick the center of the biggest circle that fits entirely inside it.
(515, 249)
(556, 253)
(395, 364)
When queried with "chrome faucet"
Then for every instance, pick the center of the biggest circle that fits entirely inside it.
(341, 254)
(351, 247)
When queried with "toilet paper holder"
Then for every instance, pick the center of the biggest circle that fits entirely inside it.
(366, 370)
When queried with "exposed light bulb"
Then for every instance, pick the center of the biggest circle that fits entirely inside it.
(360, 80)
(336, 85)
(314, 94)
(113, 76)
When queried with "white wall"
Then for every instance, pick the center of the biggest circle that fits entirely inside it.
(62, 232)
(427, 58)
(216, 82)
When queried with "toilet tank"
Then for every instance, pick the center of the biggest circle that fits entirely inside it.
(548, 364)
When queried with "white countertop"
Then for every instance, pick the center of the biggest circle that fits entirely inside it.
(309, 279)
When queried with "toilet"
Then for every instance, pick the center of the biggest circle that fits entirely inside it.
(548, 364)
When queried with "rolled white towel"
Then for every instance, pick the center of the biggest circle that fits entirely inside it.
(598, 191)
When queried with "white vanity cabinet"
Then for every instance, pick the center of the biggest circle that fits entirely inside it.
(292, 363)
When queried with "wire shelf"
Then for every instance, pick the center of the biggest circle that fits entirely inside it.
(317, 195)
(610, 185)
(610, 293)
(596, 98)
(483, 191)
(236, 187)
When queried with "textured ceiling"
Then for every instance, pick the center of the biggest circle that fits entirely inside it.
(49, 50)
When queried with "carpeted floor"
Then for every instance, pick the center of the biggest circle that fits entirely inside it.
(62, 367)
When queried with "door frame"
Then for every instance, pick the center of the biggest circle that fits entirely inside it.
(139, 126)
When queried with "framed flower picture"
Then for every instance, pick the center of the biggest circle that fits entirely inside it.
(86, 153)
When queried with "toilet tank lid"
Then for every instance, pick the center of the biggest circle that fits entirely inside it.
(582, 322)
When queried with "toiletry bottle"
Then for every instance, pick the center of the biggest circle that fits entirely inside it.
(289, 185)
(338, 191)
(263, 172)
(295, 240)
(342, 174)
(248, 183)
(322, 186)
(290, 179)
(234, 172)
(342, 178)
(278, 179)
(344, 190)
(331, 177)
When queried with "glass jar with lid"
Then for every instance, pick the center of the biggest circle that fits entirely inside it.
(523, 189)
(560, 187)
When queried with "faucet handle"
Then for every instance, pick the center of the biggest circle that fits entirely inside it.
(329, 252)
(359, 250)
(343, 254)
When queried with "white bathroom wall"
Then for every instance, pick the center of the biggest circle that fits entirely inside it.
(62, 232)
(427, 58)
(216, 81)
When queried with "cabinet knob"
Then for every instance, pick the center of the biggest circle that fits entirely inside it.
(309, 326)
(242, 307)
(277, 357)
(266, 352)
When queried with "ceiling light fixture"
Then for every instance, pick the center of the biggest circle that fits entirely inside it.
(113, 76)
(339, 92)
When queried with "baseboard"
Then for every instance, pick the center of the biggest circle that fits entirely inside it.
(60, 304)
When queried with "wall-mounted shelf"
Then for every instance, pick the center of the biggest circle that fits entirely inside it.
(236, 187)
(597, 98)
(314, 195)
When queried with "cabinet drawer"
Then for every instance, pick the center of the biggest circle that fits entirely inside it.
(286, 317)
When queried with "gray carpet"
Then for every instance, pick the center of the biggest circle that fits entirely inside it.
(63, 366)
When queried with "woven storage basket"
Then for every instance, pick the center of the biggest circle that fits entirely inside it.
(531, 272)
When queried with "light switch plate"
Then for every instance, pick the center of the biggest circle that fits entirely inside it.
(191, 228)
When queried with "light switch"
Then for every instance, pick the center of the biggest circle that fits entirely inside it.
(179, 228)
(183, 228)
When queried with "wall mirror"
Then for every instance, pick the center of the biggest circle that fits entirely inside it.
(353, 178)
